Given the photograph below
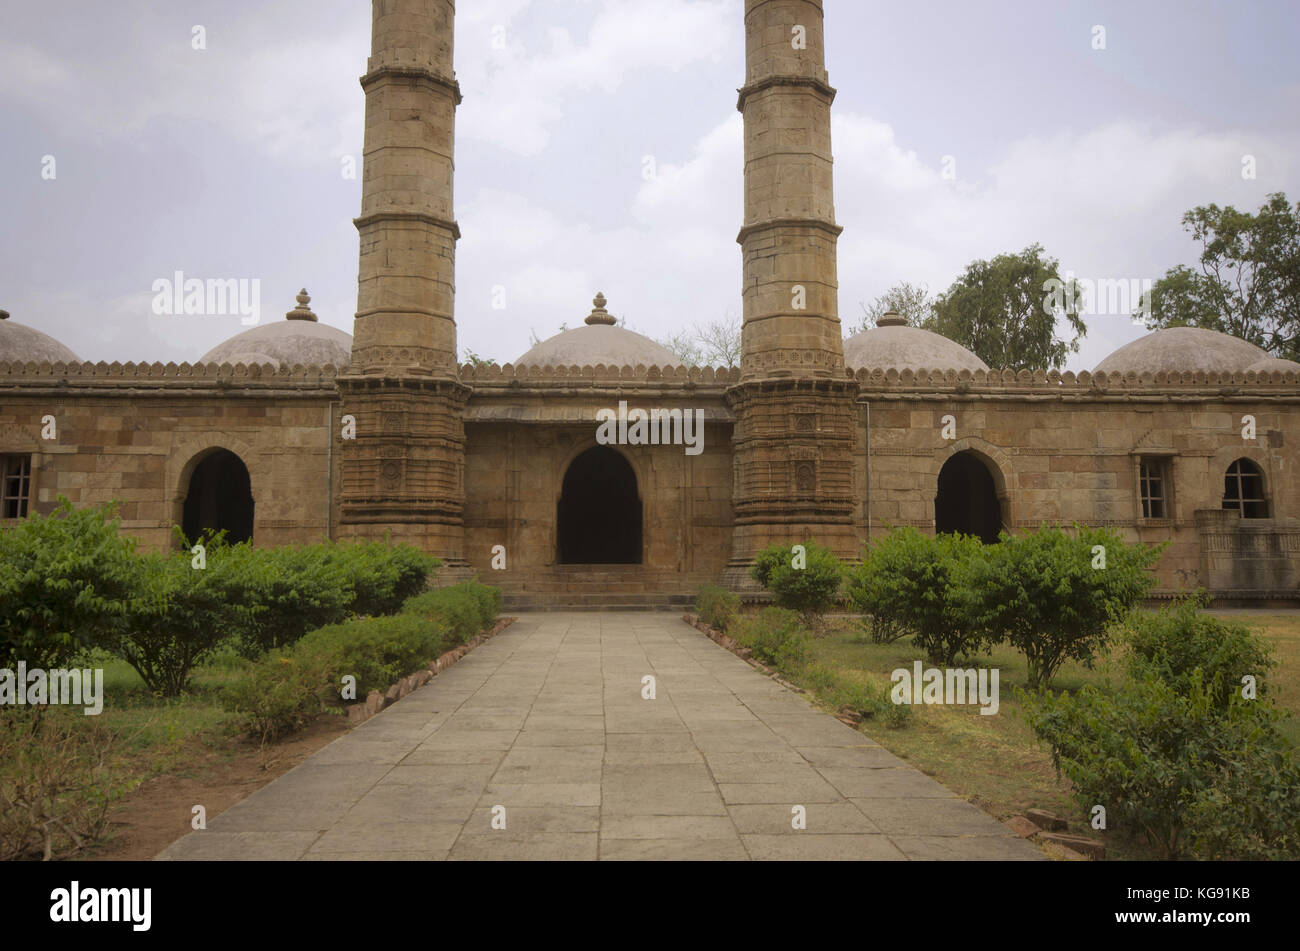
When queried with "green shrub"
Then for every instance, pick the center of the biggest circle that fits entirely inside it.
(376, 651)
(809, 585)
(717, 606)
(1040, 591)
(464, 610)
(381, 577)
(1252, 809)
(1173, 763)
(277, 695)
(67, 581)
(909, 582)
(287, 687)
(489, 602)
(181, 616)
(1180, 639)
(776, 636)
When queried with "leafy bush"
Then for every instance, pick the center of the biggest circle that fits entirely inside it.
(1171, 762)
(66, 581)
(909, 582)
(287, 591)
(180, 617)
(278, 694)
(287, 687)
(489, 602)
(56, 784)
(462, 609)
(1252, 810)
(381, 577)
(776, 636)
(1040, 591)
(1180, 639)
(294, 589)
(812, 589)
(717, 606)
(377, 651)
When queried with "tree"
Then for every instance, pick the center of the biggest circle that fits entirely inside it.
(684, 347)
(908, 584)
(716, 344)
(1056, 595)
(1248, 282)
(68, 580)
(1006, 311)
(720, 341)
(912, 302)
(806, 581)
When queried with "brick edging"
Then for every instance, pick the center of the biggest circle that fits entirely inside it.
(377, 702)
(744, 653)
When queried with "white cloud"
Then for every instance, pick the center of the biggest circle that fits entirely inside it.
(1106, 202)
(515, 94)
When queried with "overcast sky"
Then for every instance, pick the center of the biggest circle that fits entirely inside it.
(228, 162)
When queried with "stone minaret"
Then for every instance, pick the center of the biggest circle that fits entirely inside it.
(403, 474)
(793, 440)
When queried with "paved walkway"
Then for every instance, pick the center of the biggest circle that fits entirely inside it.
(547, 720)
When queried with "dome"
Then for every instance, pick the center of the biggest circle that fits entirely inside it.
(1176, 349)
(1274, 365)
(22, 344)
(297, 339)
(599, 342)
(892, 343)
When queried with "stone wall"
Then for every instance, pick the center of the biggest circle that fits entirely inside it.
(1067, 449)
(134, 434)
(1059, 448)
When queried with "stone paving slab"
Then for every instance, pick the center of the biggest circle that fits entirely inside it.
(547, 720)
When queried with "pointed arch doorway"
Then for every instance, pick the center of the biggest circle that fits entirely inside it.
(598, 517)
(219, 497)
(967, 500)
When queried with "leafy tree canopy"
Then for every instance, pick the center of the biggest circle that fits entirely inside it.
(1247, 282)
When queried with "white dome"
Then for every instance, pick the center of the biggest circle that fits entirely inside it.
(1273, 365)
(892, 343)
(22, 344)
(299, 339)
(600, 341)
(1177, 349)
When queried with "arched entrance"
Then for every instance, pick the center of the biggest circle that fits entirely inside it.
(968, 500)
(599, 514)
(220, 497)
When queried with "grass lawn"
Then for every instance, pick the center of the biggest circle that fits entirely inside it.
(169, 753)
(156, 734)
(996, 761)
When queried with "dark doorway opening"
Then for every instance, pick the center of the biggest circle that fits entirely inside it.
(599, 517)
(220, 497)
(968, 500)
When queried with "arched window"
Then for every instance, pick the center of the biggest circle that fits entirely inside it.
(1243, 489)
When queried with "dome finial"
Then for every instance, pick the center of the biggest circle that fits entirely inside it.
(891, 318)
(599, 315)
(302, 311)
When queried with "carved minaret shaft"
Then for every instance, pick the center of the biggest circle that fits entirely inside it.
(403, 474)
(791, 325)
(793, 439)
(406, 284)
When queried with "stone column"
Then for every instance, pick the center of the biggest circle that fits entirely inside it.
(794, 405)
(403, 475)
